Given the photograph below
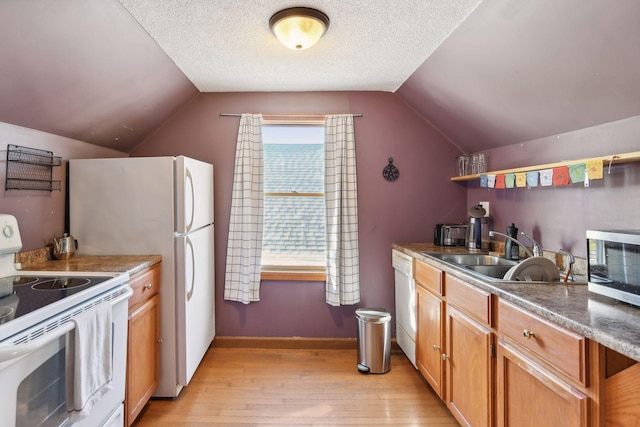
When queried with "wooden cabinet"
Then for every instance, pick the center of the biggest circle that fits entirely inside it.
(542, 371)
(454, 343)
(469, 361)
(495, 363)
(430, 330)
(429, 334)
(143, 354)
(528, 395)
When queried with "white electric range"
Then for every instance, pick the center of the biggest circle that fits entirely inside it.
(37, 333)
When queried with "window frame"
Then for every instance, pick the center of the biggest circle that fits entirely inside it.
(293, 273)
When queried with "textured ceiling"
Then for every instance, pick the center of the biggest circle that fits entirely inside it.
(485, 74)
(227, 46)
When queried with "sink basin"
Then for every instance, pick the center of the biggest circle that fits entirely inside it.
(493, 271)
(490, 266)
(469, 260)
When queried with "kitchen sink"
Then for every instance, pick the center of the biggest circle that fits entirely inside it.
(496, 268)
(473, 259)
(493, 271)
(490, 266)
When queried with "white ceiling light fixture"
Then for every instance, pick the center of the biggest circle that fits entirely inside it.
(299, 28)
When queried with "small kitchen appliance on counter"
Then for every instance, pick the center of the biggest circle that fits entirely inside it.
(478, 234)
(613, 264)
(450, 234)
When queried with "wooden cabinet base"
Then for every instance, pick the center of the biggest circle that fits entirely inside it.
(530, 396)
(143, 353)
(622, 401)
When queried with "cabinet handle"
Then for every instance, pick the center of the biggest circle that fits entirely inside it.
(528, 334)
(148, 286)
(435, 347)
(444, 356)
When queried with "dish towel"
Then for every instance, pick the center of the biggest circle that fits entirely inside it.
(88, 362)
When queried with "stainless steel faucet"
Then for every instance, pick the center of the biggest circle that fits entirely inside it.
(537, 248)
(526, 249)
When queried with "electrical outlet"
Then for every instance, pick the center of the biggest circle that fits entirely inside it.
(485, 206)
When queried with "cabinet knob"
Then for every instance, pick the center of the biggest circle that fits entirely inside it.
(435, 347)
(528, 334)
(160, 340)
(444, 356)
(148, 286)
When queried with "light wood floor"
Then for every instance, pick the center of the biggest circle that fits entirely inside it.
(298, 387)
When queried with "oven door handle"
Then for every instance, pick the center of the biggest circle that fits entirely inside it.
(13, 351)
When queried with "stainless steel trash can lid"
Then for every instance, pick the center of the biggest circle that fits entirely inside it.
(373, 315)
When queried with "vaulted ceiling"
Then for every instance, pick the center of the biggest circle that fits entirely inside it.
(486, 74)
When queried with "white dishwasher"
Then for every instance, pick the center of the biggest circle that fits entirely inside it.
(405, 291)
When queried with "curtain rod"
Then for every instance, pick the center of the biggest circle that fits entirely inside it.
(285, 115)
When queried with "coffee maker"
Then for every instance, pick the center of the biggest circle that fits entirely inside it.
(478, 232)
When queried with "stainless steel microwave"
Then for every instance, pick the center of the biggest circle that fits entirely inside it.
(613, 263)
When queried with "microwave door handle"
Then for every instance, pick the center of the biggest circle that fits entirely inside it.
(12, 351)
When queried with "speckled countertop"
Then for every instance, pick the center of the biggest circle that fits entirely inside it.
(611, 323)
(131, 264)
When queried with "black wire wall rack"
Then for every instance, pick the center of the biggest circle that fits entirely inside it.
(31, 169)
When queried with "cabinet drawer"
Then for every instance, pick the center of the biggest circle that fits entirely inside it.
(428, 277)
(561, 348)
(145, 285)
(472, 300)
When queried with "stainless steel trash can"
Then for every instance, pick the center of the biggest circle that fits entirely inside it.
(374, 340)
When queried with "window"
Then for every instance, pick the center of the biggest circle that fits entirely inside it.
(294, 222)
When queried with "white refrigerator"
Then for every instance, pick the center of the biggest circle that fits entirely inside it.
(155, 205)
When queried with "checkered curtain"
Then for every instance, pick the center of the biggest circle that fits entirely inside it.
(341, 201)
(244, 249)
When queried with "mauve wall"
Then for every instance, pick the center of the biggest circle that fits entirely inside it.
(405, 210)
(559, 216)
(40, 214)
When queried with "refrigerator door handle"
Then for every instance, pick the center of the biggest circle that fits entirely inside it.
(192, 192)
(193, 269)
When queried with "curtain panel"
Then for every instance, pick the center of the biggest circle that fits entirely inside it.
(244, 247)
(341, 206)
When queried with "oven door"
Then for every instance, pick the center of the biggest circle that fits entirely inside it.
(33, 383)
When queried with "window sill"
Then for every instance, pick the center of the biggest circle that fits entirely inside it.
(293, 274)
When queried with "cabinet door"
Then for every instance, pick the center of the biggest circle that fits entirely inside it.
(429, 338)
(530, 396)
(143, 356)
(469, 369)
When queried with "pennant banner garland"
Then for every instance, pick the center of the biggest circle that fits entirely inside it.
(558, 176)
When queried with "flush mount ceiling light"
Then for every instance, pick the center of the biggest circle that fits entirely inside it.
(299, 28)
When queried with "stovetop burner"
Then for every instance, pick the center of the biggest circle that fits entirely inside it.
(31, 293)
(61, 283)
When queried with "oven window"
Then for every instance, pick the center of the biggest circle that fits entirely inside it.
(41, 399)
